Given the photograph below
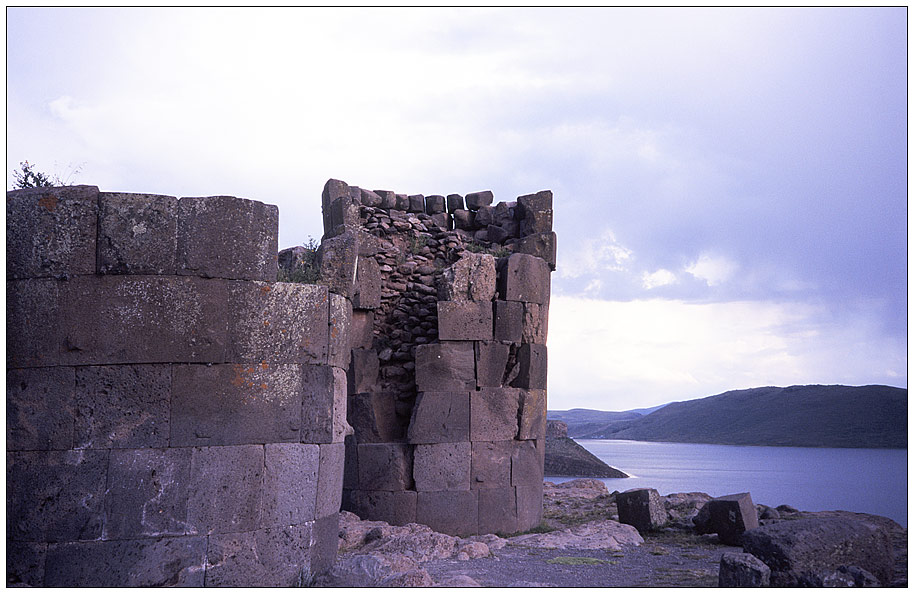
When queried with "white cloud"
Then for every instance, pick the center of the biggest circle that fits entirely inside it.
(712, 269)
(595, 255)
(658, 278)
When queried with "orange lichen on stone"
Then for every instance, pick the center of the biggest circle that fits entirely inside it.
(49, 202)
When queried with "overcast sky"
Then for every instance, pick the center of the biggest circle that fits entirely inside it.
(730, 184)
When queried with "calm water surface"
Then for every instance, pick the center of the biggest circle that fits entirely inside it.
(812, 479)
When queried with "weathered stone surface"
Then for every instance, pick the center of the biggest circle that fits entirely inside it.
(339, 257)
(290, 483)
(556, 429)
(370, 198)
(362, 375)
(536, 323)
(454, 202)
(144, 319)
(529, 506)
(324, 542)
(227, 237)
(362, 333)
(641, 508)
(525, 278)
(393, 507)
(491, 363)
(491, 464)
(402, 202)
(731, 515)
(532, 202)
(493, 414)
(485, 216)
(440, 417)
(330, 479)
(442, 466)
(449, 512)
(270, 558)
(388, 198)
(416, 203)
(367, 285)
(40, 408)
(465, 320)
(526, 465)
(225, 489)
(532, 364)
(51, 231)
(850, 577)
(340, 327)
(475, 200)
(373, 417)
(34, 332)
(334, 190)
(445, 367)
(385, 466)
(122, 406)
(235, 404)
(497, 511)
(541, 245)
(173, 561)
(137, 233)
(351, 469)
(323, 415)
(71, 486)
(599, 534)
(344, 214)
(742, 570)
(434, 204)
(509, 321)
(147, 493)
(536, 222)
(532, 417)
(802, 552)
(463, 219)
(471, 278)
(25, 563)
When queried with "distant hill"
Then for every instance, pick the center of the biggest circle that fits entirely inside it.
(584, 422)
(802, 416)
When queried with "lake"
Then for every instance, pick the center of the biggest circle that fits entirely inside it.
(810, 479)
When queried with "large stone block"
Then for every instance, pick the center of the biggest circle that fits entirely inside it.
(731, 515)
(434, 204)
(541, 245)
(491, 364)
(440, 417)
(122, 406)
(497, 511)
(536, 222)
(476, 200)
(445, 367)
(641, 508)
(442, 466)
(34, 329)
(334, 190)
(524, 278)
(56, 495)
(325, 539)
(491, 464)
(147, 493)
(351, 468)
(394, 507)
(370, 198)
(529, 506)
(416, 203)
(742, 570)
(227, 237)
(338, 258)
(471, 278)
(509, 321)
(541, 200)
(142, 563)
(532, 417)
(137, 233)
(51, 231)
(236, 404)
(25, 563)
(388, 198)
(526, 464)
(532, 365)
(278, 322)
(225, 489)
(340, 319)
(454, 202)
(367, 285)
(362, 375)
(493, 414)
(330, 479)
(449, 512)
(144, 319)
(271, 558)
(40, 408)
(323, 414)
(373, 417)
(362, 333)
(290, 484)
(536, 323)
(385, 466)
(465, 320)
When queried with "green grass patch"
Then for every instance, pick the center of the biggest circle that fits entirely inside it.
(576, 561)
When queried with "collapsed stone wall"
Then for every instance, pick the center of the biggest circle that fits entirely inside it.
(447, 381)
(174, 416)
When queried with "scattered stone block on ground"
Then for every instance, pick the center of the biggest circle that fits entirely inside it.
(641, 508)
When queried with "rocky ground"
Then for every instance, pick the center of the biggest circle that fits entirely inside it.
(579, 543)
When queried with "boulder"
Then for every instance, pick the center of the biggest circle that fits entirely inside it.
(471, 278)
(730, 516)
(742, 570)
(803, 552)
(641, 508)
(600, 534)
(850, 577)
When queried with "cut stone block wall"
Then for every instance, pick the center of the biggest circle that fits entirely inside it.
(174, 415)
(447, 382)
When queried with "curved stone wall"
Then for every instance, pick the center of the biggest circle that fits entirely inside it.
(174, 416)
